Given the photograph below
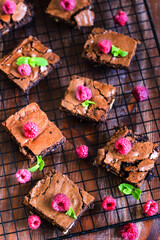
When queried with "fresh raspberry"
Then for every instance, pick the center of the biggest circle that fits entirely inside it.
(129, 232)
(9, 7)
(68, 5)
(109, 203)
(105, 46)
(121, 18)
(150, 208)
(61, 203)
(83, 93)
(23, 175)
(140, 93)
(34, 221)
(24, 69)
(82, 151)
(123, 145)
(30, 130)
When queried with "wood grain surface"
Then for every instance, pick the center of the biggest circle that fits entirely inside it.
(48, 94)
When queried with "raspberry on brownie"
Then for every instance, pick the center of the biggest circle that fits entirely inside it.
(88, 99)
(56, 188)
(44, 138)
(133, 166)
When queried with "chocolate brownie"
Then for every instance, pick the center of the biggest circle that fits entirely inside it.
(30, 47)
(22, 15)
(80, 16)
(103, 95)
(39, 199)
(133, 167)
(92, 53)
(49, 136)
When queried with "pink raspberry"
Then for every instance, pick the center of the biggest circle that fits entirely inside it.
(24, 69)
(23, 175)
(34, 221)
(61, 203)
(121, 18)
(30, 130)
(129, 232)
(105, 46)
(82, 151)
(68, 5)
(9, 7)
(123, 145)
(140, 93)
(109, 203)
(150, 208)
(83, 93)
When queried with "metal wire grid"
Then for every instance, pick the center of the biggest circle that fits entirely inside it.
(142, 117)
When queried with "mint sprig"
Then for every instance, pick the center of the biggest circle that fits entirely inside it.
(32, 61)
(87, 103)
(117, 51)
(40, 165)
(71, 213)
(129, 189)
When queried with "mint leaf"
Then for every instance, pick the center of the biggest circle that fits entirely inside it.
(22, 60)
(117, 51)
(39, 61)
(32, 62)
(40, 165)
(87, 103)
(123, 53)
(34, 169)
(129, 189)
(71, 213)
(137, 193)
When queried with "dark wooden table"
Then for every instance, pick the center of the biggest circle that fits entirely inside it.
(149, 230)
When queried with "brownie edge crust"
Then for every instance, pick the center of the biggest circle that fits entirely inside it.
(134, 167)
(39, 199)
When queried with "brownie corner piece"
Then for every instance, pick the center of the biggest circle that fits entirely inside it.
(92, 53)
(134, 167)
(80, 16)
(103, 96)
(40, 197)
(49, 135)
(30, 47)
(23, 14)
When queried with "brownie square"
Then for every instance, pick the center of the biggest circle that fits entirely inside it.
(30, 47)
(134, 167)
(103, 95)
(40, 198)
(80, 16)
(92, 53)
(49, 136)
(22, 15)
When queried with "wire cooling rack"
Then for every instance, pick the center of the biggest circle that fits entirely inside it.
(141, 117)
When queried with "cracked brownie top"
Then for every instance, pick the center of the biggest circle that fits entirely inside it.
(133, 166)
(31, 48)
(102, 98)
(41, 196)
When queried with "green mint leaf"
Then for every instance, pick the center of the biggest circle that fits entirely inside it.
(87, 103)
(137, 193)
(117, 51)
(34, 168)
(71, 213)
(22, 60)
(32, 62)
(39, 61)
(123, 53)
(40, 165)
(126, 188)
